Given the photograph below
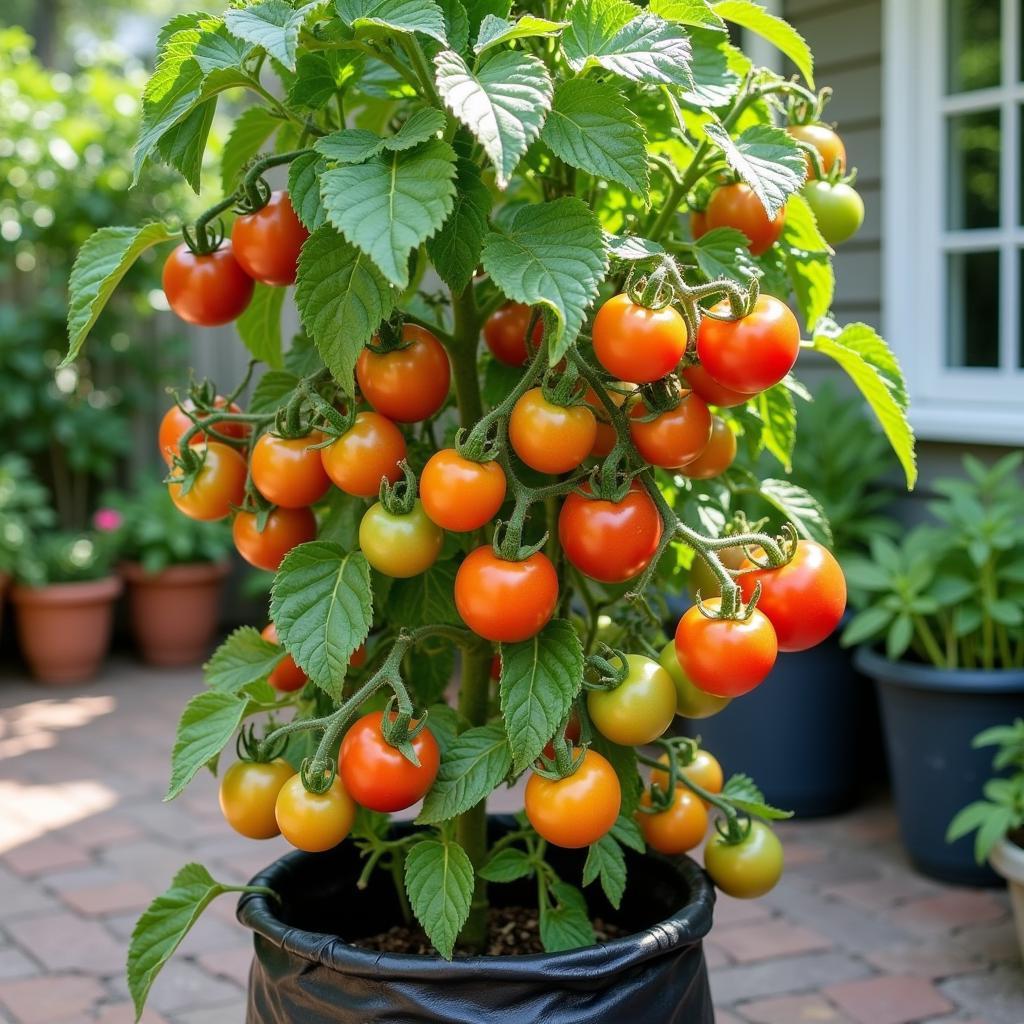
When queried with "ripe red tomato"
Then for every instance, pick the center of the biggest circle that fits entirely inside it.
(605, 438)
(284, 529)
(737, 206)
(314, 822)
(207, 290)
(175, 423)
(639, 709)
(407, 384)
(551, 438)
(575, 811)
(710, 390)
(637, 344)
(679, 828)
(726, 657)
(753, 353)
(248, 793)
(358, 657)
(674, 438)
(698, 223)
(286, 676)
(380, 777)
(505, 601)
(704, 771)
(461, 495)
(718, 454)
(825, 141)
(267, 242)
(399, 545)
(218, 487)
(804, 599)
(610, 541)
(747, 869)
(288, 471)
(505, 333)
(370, 450)
(691, 702)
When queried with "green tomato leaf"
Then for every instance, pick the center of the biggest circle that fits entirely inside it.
(207, 725)
(628, 833)
(273, 25)
(619, 37)
(107, 255)
(605, 860)
(431, 669)
(551, 254)
(272, 392)
(427, 598)
(455, 249)
(767, 158)
(591, 127)
(503, 103)
(164, 924)
(217, 50)
(391, 204)
(183, 144)
(471, 769)
(507, 865)
(782, 35)
(494, 31)
(322, 606)
(566, 923)
(800, 507)
(339, 523)
(251, 129)
(778, 413)
(259, 326)
(342, 299)
(319, 76)
(304, 190)
(630, 248)
(715, 84)
(423, 16)
(724, 252)
(439, 882)
(354, 145)
(623, 760)
(697, 13)
(540, 679)
(243, 658)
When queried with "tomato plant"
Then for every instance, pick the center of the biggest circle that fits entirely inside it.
(521, 502)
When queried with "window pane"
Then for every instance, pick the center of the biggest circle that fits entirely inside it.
(972, 284)
(972, 47)
(972, 144)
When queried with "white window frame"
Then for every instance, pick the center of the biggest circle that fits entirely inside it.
(971, 404)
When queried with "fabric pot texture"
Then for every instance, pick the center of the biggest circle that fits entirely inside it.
(1008, 859)
(64, 628)
(303, 973)
(174, 613)
(930, 716)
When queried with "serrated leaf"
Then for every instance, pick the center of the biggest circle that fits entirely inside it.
(566, 925)
(503, 103)
(507, 865)
(391, 204)
(456, 24)
(216, 50)
(322, 606)
(715, 84)
(605, 860)
(427, 598)
(319, 76)
(455, 249)
(164, 924)
(540, 678)
(439, 882)
(342, 299)
(471, 769)
(635, 44)
(782, 35)
(251, 129)
(272, 391)
(550, 254)
(697, 13)
(259, 326)
(723, 252)
(273, 25)
(630, 248)
(107, 255)
(591, 127)
(766, 158)
(800, 230)
(243, 658)
(339, 522)
(865, 357)
(354, 145)
(778, 413)
(494, 31)
(628, 833)
(304, 190)
(182, 145)
(423, 16)
(207, 725)
(432, 666)
(623, 760)
(800, 507)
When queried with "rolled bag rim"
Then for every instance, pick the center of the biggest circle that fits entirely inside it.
(685, 927)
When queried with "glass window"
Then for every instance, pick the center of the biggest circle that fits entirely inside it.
(973, 175)
(972, 280)
(973, 51)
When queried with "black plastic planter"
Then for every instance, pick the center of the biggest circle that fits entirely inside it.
(305, 972)
(930, 717)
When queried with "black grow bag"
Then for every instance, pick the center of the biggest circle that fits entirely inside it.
(303, 973)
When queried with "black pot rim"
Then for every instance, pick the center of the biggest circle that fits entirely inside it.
(686, 926)
(916, 676)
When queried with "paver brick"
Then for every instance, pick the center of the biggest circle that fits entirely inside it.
(118, 897)
(232, 964)
(786, 975)
(68, 942)
(752, 942)
(40, 856)
(890, 999)
(808, 1009)
(996, 995)
(44, 1000)
(925, 961)
(15, 964)
(953, 909)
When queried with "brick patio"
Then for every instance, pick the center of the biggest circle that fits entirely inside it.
(850, 936)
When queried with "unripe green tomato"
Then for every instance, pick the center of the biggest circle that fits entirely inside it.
(838, 209)
(690, 701)
(400, 545)
(747, 869)
(703, 581)
(640, 709)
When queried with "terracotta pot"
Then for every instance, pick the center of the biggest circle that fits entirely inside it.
(64, 628)
(174, 613)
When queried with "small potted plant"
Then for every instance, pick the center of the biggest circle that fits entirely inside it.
(175, 569)
(997, 821)
(64, 604)
(945, 606)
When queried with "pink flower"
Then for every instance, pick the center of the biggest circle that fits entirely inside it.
(107, 520)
